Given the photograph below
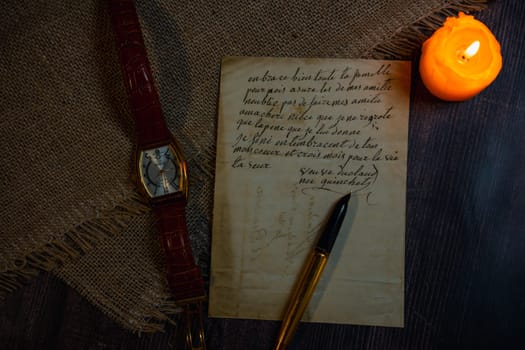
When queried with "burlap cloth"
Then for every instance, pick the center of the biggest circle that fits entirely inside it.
(67, 204)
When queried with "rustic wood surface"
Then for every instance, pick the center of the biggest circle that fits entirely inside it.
(465, 239)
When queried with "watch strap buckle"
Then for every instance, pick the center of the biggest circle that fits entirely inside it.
(191, 334)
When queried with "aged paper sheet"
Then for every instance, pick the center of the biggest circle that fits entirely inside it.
(294, 135)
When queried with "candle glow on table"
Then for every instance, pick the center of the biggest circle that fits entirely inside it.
(460, 59)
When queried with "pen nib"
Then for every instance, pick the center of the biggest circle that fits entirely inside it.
(346, 198)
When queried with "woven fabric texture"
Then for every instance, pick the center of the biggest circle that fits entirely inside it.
(68, 204)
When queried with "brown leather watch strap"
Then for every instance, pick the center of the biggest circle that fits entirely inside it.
(151, 126)
(184, 277)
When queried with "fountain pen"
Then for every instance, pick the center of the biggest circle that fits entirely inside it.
(310, 274)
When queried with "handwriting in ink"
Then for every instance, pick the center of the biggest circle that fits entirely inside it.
(335, 117)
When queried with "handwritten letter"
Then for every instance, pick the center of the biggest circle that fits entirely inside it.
(294, 135)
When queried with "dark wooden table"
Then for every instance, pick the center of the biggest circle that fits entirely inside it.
(465, 239)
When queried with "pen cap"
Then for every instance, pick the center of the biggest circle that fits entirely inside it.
(332, 227)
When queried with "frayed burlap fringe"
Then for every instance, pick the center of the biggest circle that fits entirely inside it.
(142, 304)
(406, 41)
(151, 320)
(72, 244)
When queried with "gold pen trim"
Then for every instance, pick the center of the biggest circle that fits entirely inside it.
(301, 297)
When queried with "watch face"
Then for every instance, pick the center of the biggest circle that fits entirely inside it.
(159, 171)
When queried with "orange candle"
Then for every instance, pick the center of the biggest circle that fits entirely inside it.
(460, 59)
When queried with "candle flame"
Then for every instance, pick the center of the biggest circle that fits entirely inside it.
(464, 55)
(472, 49)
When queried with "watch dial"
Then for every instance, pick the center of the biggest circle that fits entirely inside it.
(159, 170)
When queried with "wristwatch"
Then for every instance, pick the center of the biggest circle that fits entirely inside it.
(160, 168)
